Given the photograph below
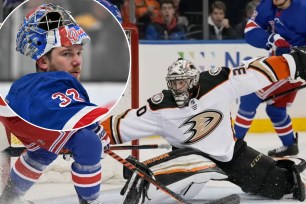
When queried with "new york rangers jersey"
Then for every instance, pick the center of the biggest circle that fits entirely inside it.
(53, 100)
(204, 124)
(33, 137)
(267, 19)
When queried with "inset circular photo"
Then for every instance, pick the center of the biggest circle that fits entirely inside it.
(63, 64)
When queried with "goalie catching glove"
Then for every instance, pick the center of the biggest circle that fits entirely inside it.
(135, 189)
(184, 171)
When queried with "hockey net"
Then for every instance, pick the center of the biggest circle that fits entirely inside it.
(59, 170)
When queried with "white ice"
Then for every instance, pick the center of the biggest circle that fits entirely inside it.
(65, 194)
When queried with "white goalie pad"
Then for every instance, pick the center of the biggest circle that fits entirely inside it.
(200, 171)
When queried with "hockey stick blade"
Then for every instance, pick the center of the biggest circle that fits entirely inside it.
(142, 174)
(231, 199)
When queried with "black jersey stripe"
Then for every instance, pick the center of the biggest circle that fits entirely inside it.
(271, 68)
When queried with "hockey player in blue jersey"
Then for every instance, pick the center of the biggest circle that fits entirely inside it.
(54, 98)
(276, 25)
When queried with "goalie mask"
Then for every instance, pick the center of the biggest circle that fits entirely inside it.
(182, 80)
(47, 27)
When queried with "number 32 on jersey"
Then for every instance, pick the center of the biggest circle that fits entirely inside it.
(65, 99)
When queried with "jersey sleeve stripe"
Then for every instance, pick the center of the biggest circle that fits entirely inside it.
(84, 117)
(250, 26)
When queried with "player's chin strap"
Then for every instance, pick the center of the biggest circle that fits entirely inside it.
(233, 199)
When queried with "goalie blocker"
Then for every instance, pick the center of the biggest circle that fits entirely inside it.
(186, 171)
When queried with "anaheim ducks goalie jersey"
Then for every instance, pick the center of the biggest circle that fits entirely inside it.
(205, 124)
(53, 100)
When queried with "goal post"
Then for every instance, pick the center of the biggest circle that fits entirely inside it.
(133, 37)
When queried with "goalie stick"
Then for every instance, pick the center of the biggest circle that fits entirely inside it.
(231, 199)
(16, 151)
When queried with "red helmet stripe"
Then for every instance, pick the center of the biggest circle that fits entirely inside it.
(65, 41)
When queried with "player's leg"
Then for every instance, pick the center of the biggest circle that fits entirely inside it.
(246, 113)
(184, 171)
(86, 168)
(283, 127)
(25, 172)
(259, 174)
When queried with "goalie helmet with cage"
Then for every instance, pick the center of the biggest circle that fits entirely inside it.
(182, 79)
(46, 27)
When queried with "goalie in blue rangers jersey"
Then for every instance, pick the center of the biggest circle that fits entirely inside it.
(194, 116)
(54, 98)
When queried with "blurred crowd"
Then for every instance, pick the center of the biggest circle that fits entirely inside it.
(183, 19)
(180, 19)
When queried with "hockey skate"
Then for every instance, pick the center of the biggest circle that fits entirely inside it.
(286, 151)
(97, 201)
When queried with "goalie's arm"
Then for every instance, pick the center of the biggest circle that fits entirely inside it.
(259, 73)
(132, 124)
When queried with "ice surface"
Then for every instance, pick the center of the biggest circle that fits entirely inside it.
(65, 194)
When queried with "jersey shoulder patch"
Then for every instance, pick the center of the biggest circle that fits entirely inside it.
(162, 100)
(212, 78)
(215, 71)
(157, 98)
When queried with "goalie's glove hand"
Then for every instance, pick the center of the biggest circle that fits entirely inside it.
(136, 188)
(299, 56)
(278, 45)
(99, 130)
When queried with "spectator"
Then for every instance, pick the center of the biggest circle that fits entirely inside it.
(145, 12)
(165, 26)
(219, 26)
(181, 19)
(249, 9)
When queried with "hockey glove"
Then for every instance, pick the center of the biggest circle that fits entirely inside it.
(135, 189)
(99, 130)
(278, 45)
(299, 56)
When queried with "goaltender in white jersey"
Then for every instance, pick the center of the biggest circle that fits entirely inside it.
(195, 114)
